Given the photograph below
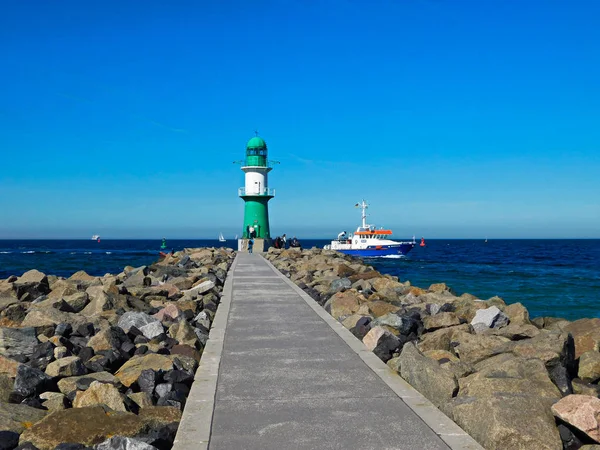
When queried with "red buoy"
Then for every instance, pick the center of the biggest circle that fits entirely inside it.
(422, 242)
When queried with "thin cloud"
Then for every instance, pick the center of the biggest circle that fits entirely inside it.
(136, 116)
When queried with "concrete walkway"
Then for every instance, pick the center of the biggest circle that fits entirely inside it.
(291, 377)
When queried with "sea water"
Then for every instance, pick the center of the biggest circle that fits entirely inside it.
(558, 278)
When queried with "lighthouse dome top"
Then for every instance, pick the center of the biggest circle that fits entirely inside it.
(256, 143)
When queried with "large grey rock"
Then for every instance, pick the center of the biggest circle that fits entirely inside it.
(135, 319)
(508, 421)
(511, 375)
(17, 341)
(152, 329)
(123, 443)
(201, 288)
(339, 285)
(426, 375)
(487, 318)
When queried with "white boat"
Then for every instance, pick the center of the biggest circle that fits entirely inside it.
(369, 241)
(95, 237)
(221, 238)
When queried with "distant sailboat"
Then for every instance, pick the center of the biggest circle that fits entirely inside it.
(485, 240)
(236, 236)
(221, 238)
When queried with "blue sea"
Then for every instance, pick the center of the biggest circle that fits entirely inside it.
(558, 278)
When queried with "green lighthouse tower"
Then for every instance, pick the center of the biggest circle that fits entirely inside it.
(256, 192)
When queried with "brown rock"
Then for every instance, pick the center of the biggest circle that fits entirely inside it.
(105, 339)
(88, 426)
(69, 385)
(8, 366)
(156, 416)
(439, 288)
(503, 421)
(343, 304)
(380, 308)
(82, 276)
(186, 350)
(50, 316)
(62, 288)
(77, 301)
(16, 417)
(131, 370)
(586, 333)
(472, 348)
(589, 366)
(6, 387)
(364, 276)
(344, 271)
(582, 388)
(441, 320)
(440, 339)
(169, 312)
(184, 333)
(394, 364)
(515, 331)
(547, 346)
(508, 374)
(54, 401)
(517, 314)
(100, 394)
(350, 322)
(580, 411)
(142, 399)
(372, 337)
(426, 375)
(440, 356)
(71, 366)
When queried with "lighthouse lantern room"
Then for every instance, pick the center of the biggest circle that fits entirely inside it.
(256, 192)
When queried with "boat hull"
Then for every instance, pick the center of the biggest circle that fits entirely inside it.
(375, 252)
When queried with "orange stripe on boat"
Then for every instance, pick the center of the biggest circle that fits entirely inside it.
(374, 232)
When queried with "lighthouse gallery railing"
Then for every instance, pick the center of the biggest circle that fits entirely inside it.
(268, 191)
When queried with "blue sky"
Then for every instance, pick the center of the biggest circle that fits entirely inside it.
(454, 119)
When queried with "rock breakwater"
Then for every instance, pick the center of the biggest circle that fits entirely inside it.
(105, 361)
(510, 381)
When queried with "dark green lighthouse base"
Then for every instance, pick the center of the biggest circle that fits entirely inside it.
(256, 214)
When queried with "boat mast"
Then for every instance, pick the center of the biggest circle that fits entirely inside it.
(364, 207)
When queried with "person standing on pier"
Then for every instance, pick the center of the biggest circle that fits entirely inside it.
(250, 245)
(284, 241)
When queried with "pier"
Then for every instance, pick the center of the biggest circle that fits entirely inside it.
(279, 372)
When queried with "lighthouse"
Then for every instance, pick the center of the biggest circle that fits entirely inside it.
(256, 193)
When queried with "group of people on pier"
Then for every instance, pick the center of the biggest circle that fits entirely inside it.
(281, 242)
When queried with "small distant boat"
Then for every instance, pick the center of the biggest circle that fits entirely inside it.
(221, 238)
(96, 237)
(369, 241)
(485, 240)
